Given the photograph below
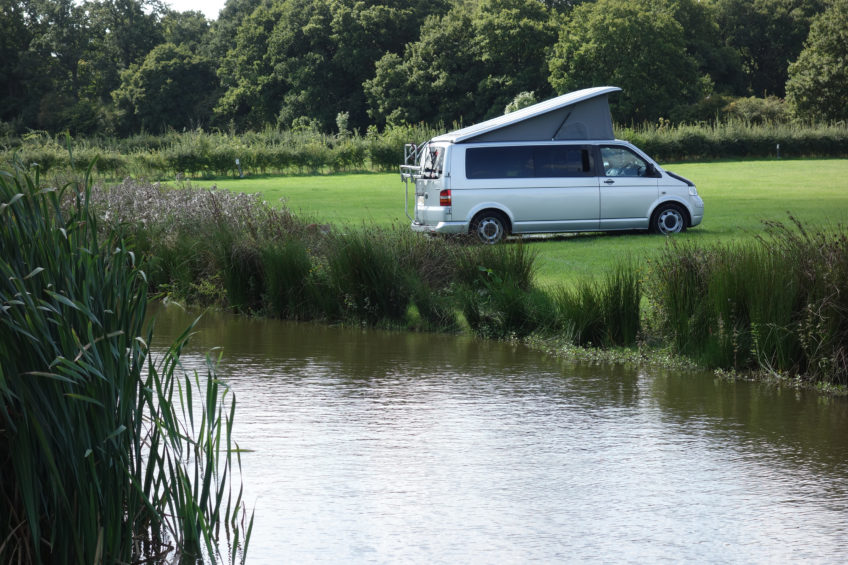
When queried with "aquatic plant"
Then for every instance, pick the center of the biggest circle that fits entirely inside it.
(104, 455)
(779, 303)
(601, 313)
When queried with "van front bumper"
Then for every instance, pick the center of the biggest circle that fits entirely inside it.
(441, 227)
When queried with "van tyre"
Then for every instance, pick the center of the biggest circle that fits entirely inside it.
(489, 227)
(668, 219)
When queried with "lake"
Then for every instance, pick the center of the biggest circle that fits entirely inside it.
(388, 447)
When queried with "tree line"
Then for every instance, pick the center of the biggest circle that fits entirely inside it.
(119, 67)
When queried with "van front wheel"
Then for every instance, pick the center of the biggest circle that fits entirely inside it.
(668, 219)
(489, 227)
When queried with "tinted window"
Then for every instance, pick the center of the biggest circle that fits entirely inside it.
(527, 162)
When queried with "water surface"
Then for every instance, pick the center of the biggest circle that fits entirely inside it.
(381, 447)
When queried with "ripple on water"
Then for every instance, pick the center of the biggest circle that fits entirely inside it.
(384, 447)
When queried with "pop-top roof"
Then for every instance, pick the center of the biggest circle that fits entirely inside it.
(582, 114)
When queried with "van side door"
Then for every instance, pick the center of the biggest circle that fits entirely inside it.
(545, 188)
(628, 188)
(571, 169)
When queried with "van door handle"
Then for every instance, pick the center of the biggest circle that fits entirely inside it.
(609, 181)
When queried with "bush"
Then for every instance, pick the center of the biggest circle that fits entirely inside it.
(736, 139)
(755, 134)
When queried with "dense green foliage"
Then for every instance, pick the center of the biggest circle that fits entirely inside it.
(200, 154)
(172, 87)
(467, 64)
(123, 66)
(629, 44)
(818, 80)
(103, 456)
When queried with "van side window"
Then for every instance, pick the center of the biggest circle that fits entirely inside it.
(528, 162)
(621, 162)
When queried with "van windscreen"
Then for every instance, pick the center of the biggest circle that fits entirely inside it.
(528, 162)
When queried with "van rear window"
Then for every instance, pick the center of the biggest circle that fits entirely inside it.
(527, 162)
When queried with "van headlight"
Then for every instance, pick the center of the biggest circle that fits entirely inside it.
(693, 191)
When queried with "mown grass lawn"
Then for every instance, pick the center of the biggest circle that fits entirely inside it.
(739, 196)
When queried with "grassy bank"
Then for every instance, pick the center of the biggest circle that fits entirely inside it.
(739, 196)
(234, 250)
(103, 456)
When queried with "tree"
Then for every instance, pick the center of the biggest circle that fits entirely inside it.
(22, 70)
(636, 45)
(172, 88)
(514, 36)
(131, 28)
(705, 44)
(434, 81)
(818, 81)
(225, 28)
(465, 66)
(297, 58)
(521, 100)
(251, 90)
(185, 28)
(123, 33)
(363, 31)
(767, 34)
(64, 36)
(61, 50)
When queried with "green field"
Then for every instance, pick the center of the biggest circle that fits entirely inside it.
(738, 195)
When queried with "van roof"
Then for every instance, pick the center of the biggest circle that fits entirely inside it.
(582, 114)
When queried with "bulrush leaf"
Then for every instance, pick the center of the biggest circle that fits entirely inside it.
(92, 437)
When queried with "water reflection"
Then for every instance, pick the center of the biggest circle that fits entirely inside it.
(391, 447)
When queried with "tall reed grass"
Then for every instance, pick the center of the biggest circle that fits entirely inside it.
(103, 455)
(779, 303)
(604, 313)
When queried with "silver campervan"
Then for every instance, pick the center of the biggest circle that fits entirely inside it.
(551, 167)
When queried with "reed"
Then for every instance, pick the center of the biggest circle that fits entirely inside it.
(104, 456)
(605, 313)
(369, 276)
(292, 292)
(778, 303)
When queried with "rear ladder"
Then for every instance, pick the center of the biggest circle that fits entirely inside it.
(410, 171)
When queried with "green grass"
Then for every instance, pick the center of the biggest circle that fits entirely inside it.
(739, 195)
(335, 199)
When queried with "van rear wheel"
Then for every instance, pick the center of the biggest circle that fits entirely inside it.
(490, 227)
(668, 219)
